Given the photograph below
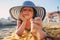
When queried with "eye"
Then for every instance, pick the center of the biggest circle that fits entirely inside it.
(24, 10)
(30, 10)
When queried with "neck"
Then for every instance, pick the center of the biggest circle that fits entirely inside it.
(28, 24)
(29, 19)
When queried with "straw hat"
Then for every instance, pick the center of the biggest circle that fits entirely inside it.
(14, 11)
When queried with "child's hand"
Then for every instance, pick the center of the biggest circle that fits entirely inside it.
(37, 23)
(37, 28)
(22, 17)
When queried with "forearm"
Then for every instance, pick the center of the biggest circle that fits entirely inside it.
(21, 29)
(39, 35)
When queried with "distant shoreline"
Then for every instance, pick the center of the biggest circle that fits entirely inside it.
(7, 26)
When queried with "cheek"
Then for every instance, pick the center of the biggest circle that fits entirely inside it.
(22, 13)
(31, 14)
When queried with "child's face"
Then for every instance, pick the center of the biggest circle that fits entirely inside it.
(27, 12)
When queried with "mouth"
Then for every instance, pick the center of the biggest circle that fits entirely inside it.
(26, 14)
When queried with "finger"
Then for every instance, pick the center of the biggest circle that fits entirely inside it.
(37, 22)
(22, 17)
(37, 26)
(38, 18)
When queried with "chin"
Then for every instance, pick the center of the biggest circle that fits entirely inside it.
(27, 18)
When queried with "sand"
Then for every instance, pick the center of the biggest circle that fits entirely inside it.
(4, 32)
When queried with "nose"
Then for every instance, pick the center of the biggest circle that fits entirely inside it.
(26, 12)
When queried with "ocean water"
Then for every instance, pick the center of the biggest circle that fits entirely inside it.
(2, 27)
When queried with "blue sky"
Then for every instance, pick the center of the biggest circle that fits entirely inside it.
(5, 5)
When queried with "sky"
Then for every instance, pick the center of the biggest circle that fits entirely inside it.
(5, 5)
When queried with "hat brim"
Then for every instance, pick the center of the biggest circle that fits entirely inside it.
(14, 11)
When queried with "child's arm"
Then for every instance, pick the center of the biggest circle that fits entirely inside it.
(18, 23)
(21, 28)
(37, 29)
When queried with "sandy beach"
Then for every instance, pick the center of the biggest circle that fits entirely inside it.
(4, 32)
